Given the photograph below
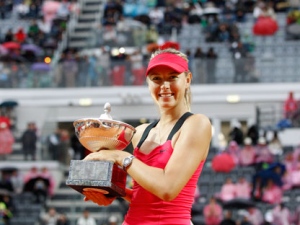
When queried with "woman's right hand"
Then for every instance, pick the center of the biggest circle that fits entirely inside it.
(97, 196)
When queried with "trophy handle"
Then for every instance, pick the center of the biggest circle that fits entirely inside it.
(107, 109)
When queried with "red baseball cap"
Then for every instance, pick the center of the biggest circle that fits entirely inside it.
(170, 60)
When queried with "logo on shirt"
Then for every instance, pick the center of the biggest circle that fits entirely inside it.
(162, 151)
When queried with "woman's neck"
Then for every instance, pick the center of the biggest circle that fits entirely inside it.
(170, 115)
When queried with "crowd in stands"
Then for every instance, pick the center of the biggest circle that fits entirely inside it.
(17, 70)
(218, 20)
(22, 47)
(51, 216)
(38, 182)
(276, 172)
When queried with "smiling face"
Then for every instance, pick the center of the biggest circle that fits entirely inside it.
(168, 87)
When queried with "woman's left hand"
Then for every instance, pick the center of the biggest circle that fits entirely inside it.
(107, 155)
(97, 196)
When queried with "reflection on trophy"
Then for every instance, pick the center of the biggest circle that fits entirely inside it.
(97, 134)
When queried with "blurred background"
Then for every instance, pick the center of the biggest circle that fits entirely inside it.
(63, 60)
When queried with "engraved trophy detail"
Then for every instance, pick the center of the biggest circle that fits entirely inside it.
(97, 134)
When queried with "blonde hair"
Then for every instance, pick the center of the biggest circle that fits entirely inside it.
(188, 93)
(169, 50)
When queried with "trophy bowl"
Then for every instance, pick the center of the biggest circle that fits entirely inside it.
(97, 134)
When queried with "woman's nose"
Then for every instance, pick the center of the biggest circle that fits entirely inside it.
(165, 84)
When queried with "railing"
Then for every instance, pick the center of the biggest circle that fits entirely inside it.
(119, 73)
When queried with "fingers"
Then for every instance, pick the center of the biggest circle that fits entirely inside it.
(96, 190)
(98, 198)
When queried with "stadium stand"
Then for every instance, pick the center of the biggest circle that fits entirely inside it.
(91, 32)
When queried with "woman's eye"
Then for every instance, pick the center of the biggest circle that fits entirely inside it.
(173, 77)
(155, 78)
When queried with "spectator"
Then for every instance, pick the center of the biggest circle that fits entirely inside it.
(63, 220)
(263, 153)
(295, 177)
(263, 9)
(104, 64)
(290, 106)
(255, 217)
(275, 145)
(234, 151)
(70, 69)
(86, 219)
(228, 220)
(222, 33)
(20, 36)
(257, 186)
(296, 218)
(9, 36)
(5, 182)
(22, 10)
(212, 212)
(64, 155)
(156, 15)
(35, 183)
(82, 62)
(243, 188)
(6, 140)
(253, 134)
(63, 10)
(239, 55)
(3, 9)
(247, 154)
(31, 174)
(33, 30)
(54, 144)
(78, 148)
(245, 221)
(236, 134)
(45, 173)
(92, 78)
(51, 217)
(5, 213)
(17, 182)
(287, 183)
(211, 62)
(272, 193)
(289, 161)
(199, 66)
(29, 139)
(281, 215)
(137, 68)
(5, 119)
(112, 220)
(228, 190)
(44, 26)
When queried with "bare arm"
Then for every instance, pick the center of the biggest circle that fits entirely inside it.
(190, 148)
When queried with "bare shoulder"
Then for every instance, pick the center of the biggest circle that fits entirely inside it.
(198, 121)
(194, 138)
(197, 125)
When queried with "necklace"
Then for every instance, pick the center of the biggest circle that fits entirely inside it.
(159, 136)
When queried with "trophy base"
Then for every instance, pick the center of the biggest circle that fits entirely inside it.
(102, 175)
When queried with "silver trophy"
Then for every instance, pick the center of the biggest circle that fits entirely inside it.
(97, 134)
